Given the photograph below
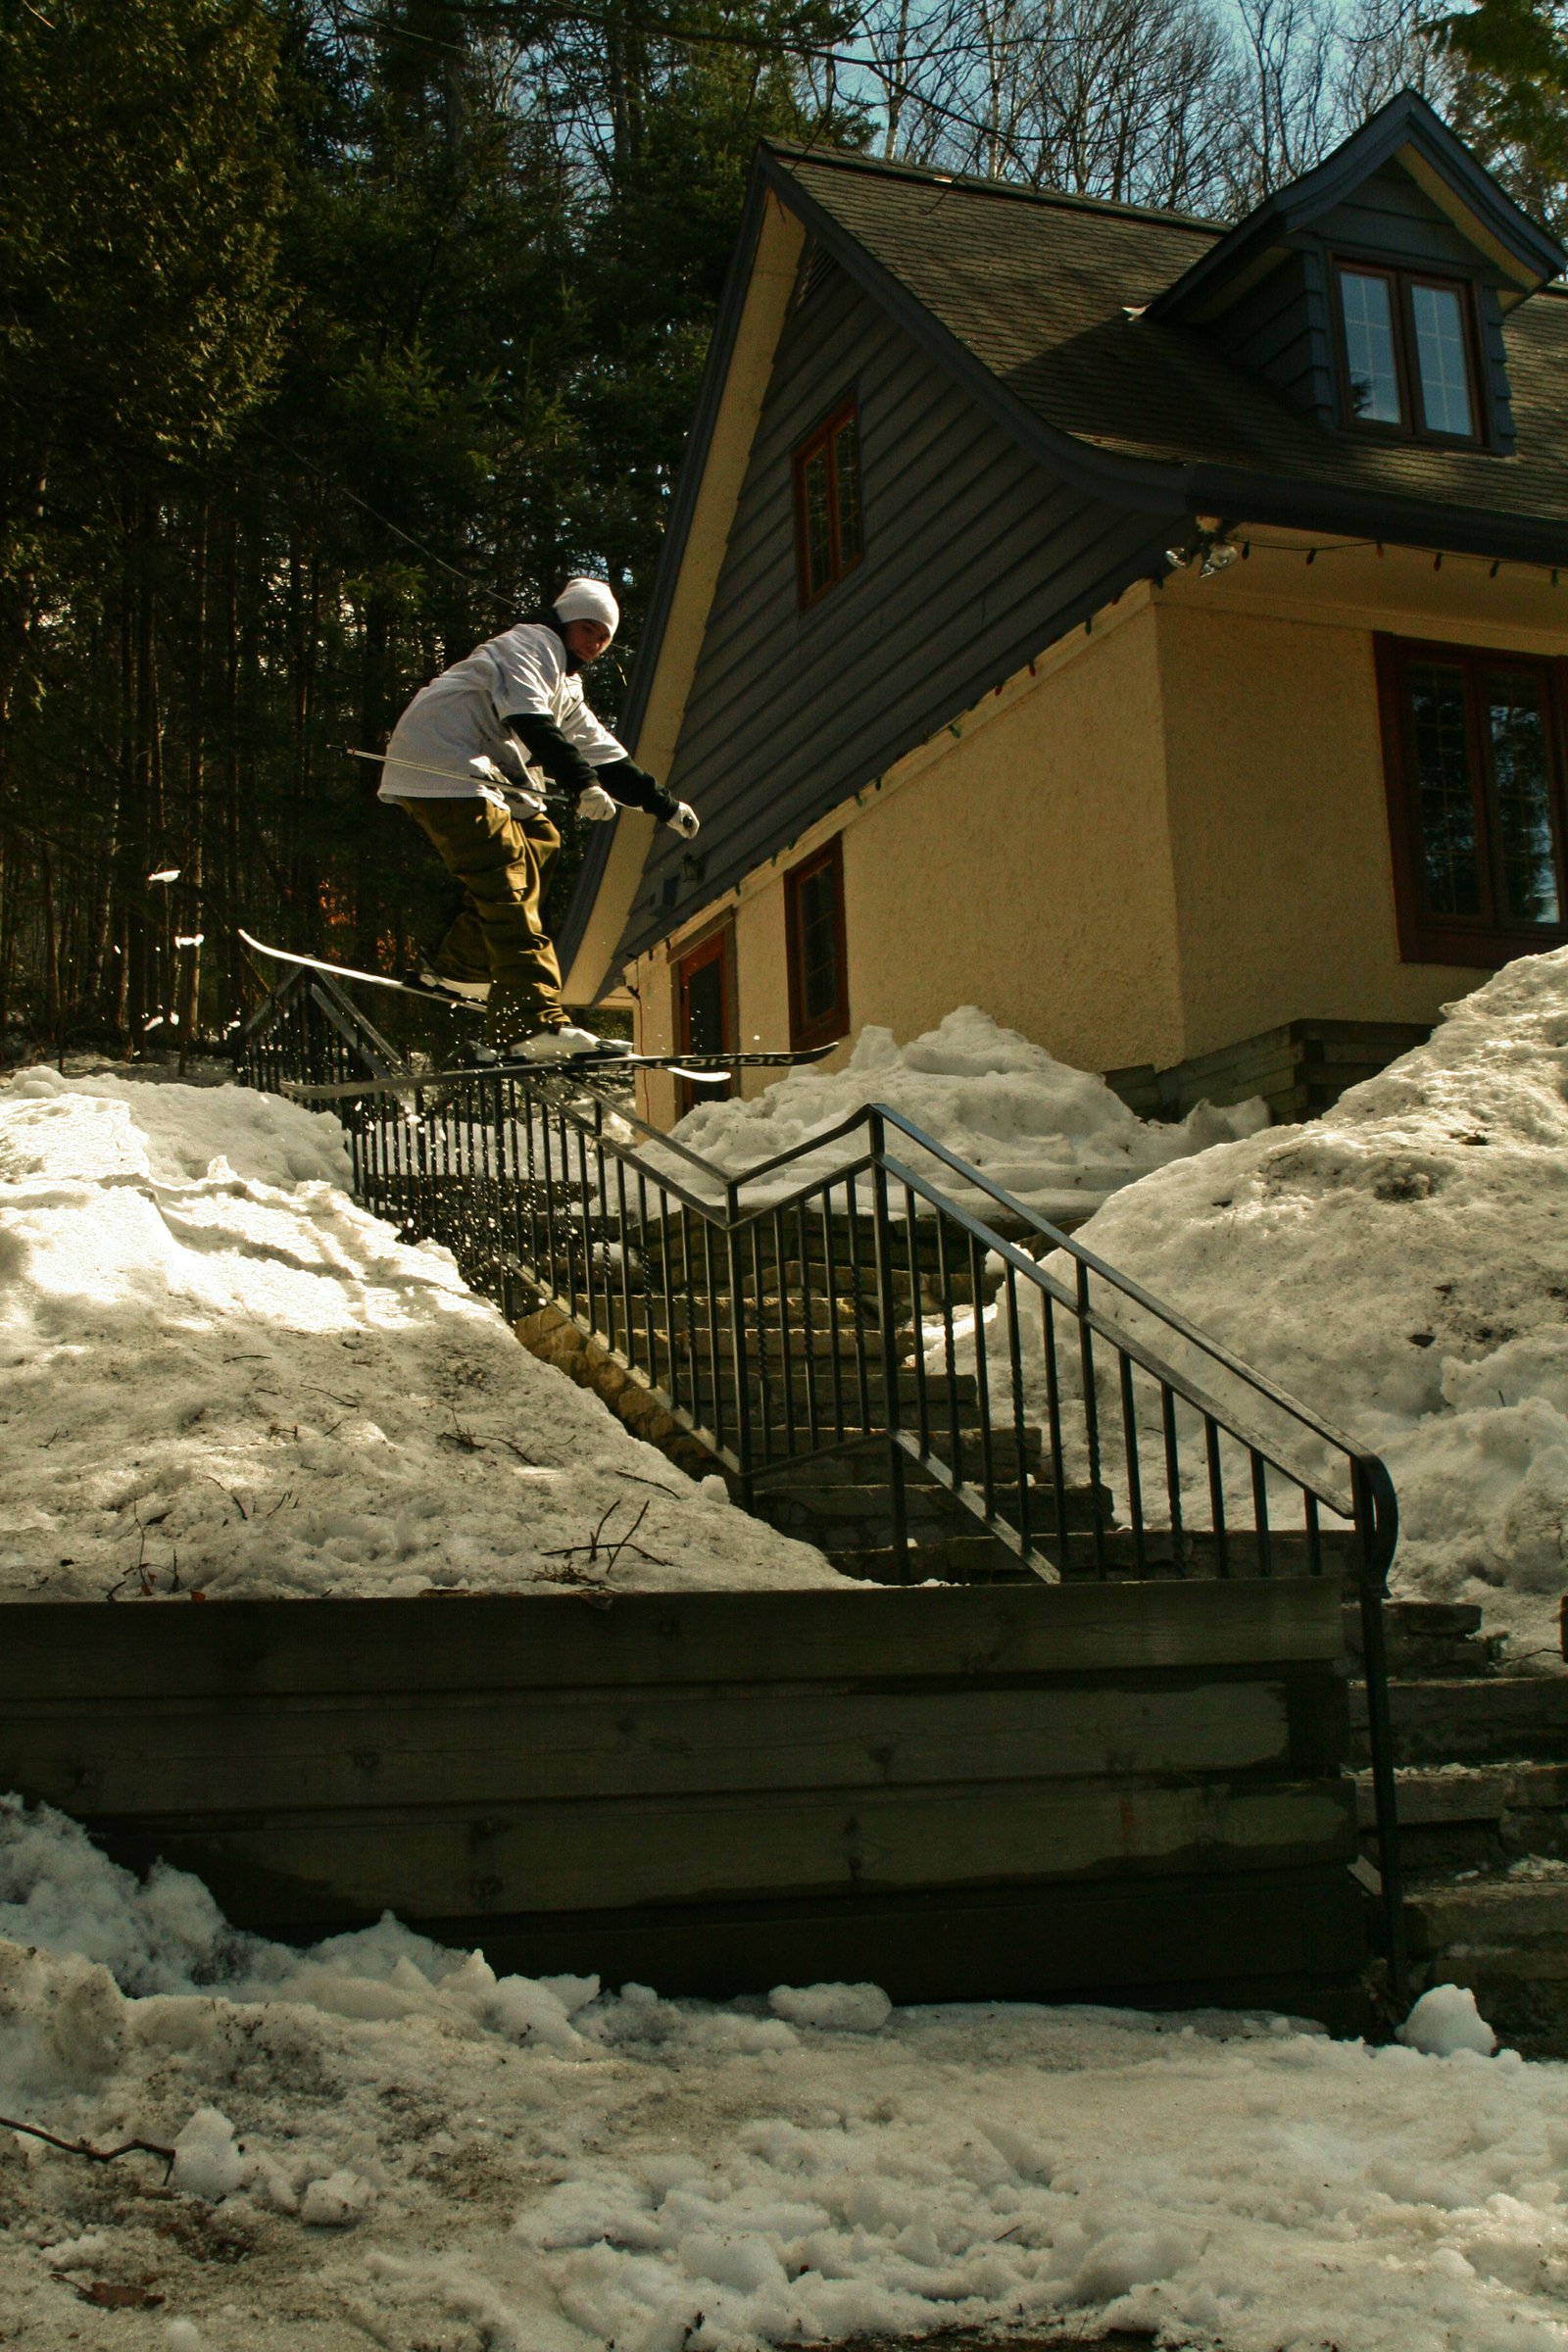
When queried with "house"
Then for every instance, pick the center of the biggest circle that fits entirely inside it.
(1148, 631)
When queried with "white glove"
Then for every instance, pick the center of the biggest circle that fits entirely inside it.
(595, 805)
(519, 800)
(685, 821)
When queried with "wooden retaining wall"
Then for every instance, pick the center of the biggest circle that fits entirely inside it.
(1122, 1795)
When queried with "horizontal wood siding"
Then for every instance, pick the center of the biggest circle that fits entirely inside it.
(804, 1776)
(1495, 358)
(1389, 215)
(1274, 331)
(975, 560)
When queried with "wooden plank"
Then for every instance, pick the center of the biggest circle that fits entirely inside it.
(317, 1869)
(527, 1641)
(1292, 1940)
(302, 1755)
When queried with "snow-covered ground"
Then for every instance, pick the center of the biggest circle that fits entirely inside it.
(378, 2142)
(217, 1373)
(1401, 1265)
(1054, 1136)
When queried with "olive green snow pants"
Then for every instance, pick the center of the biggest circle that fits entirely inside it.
(502, 863)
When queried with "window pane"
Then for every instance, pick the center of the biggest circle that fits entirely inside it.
(817, 933)
(1369, 347)
(704, 1009)
(818, 530)
(1517, 724)
(846, 469)
(1440, 359)
(1445, 804)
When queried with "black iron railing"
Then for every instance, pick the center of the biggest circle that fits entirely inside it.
(870, 1285)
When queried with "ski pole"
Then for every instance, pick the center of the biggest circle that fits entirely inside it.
(482, 767)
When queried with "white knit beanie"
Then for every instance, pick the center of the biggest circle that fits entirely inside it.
(588, 600)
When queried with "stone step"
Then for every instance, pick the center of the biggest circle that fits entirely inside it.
(1429, 1640)
(1289, 1554)
(938, 1394)
(859, 1514)
(1477, 1817)
(1457, 1720)
(864, 1462)
(976, 1559)
(1505, 1937)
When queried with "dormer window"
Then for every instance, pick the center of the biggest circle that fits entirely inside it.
(1406, 353)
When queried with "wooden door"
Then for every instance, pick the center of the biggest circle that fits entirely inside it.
(705, 1011)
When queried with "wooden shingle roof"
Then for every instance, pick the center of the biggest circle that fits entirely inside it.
(1038, 289)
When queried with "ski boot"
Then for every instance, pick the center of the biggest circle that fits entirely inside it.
(442, 984)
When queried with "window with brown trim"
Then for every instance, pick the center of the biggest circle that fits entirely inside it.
(818, 965)
(1407, 353)
(829, 534)
(1478, 811)
(704, 1009)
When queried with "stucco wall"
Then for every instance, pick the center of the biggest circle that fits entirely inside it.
(1025, 868)
(1279, 826)
(1211, 748)
(1020, 862)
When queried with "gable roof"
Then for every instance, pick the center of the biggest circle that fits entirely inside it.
(1406, 131)
(1048, 306)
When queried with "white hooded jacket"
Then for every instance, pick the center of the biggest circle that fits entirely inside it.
(463, 712)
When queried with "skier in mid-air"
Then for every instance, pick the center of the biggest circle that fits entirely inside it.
(470, 760)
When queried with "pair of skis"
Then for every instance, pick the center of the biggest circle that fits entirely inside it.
(701, 1069)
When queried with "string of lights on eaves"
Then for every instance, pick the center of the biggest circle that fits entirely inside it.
(1217, 551)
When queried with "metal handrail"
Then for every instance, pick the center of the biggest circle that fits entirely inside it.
(828, 1316)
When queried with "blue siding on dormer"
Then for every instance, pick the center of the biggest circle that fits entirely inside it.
(1389, 216)
(1392, 219)
(1274, 330)
(1495, 359)
(1283, 327)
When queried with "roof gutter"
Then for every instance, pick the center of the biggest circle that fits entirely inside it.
(1371, 514)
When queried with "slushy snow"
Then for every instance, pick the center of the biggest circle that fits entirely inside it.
(1400, 1266)
(379, 2141)
(219, 1374)
(1057, 1138)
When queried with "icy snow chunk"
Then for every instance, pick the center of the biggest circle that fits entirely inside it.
(183, 2336)
(57, 1892)
(335, 2203)
(834, 2008)
(75, 2253)
(714, 1487)
(208, 2161)
(1445, 2020)
(747, 2264)
(61, 2019)
(1134, 2258)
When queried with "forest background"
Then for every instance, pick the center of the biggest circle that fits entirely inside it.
(333, 336)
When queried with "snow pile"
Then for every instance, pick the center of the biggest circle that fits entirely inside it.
(1054, 1136)
(379, 2141)
(217, 1373)
(1445, 2020)
(1401, 1265)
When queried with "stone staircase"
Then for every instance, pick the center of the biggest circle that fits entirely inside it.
(1482, 1790)
(816, 1357)
(1483, 1756)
